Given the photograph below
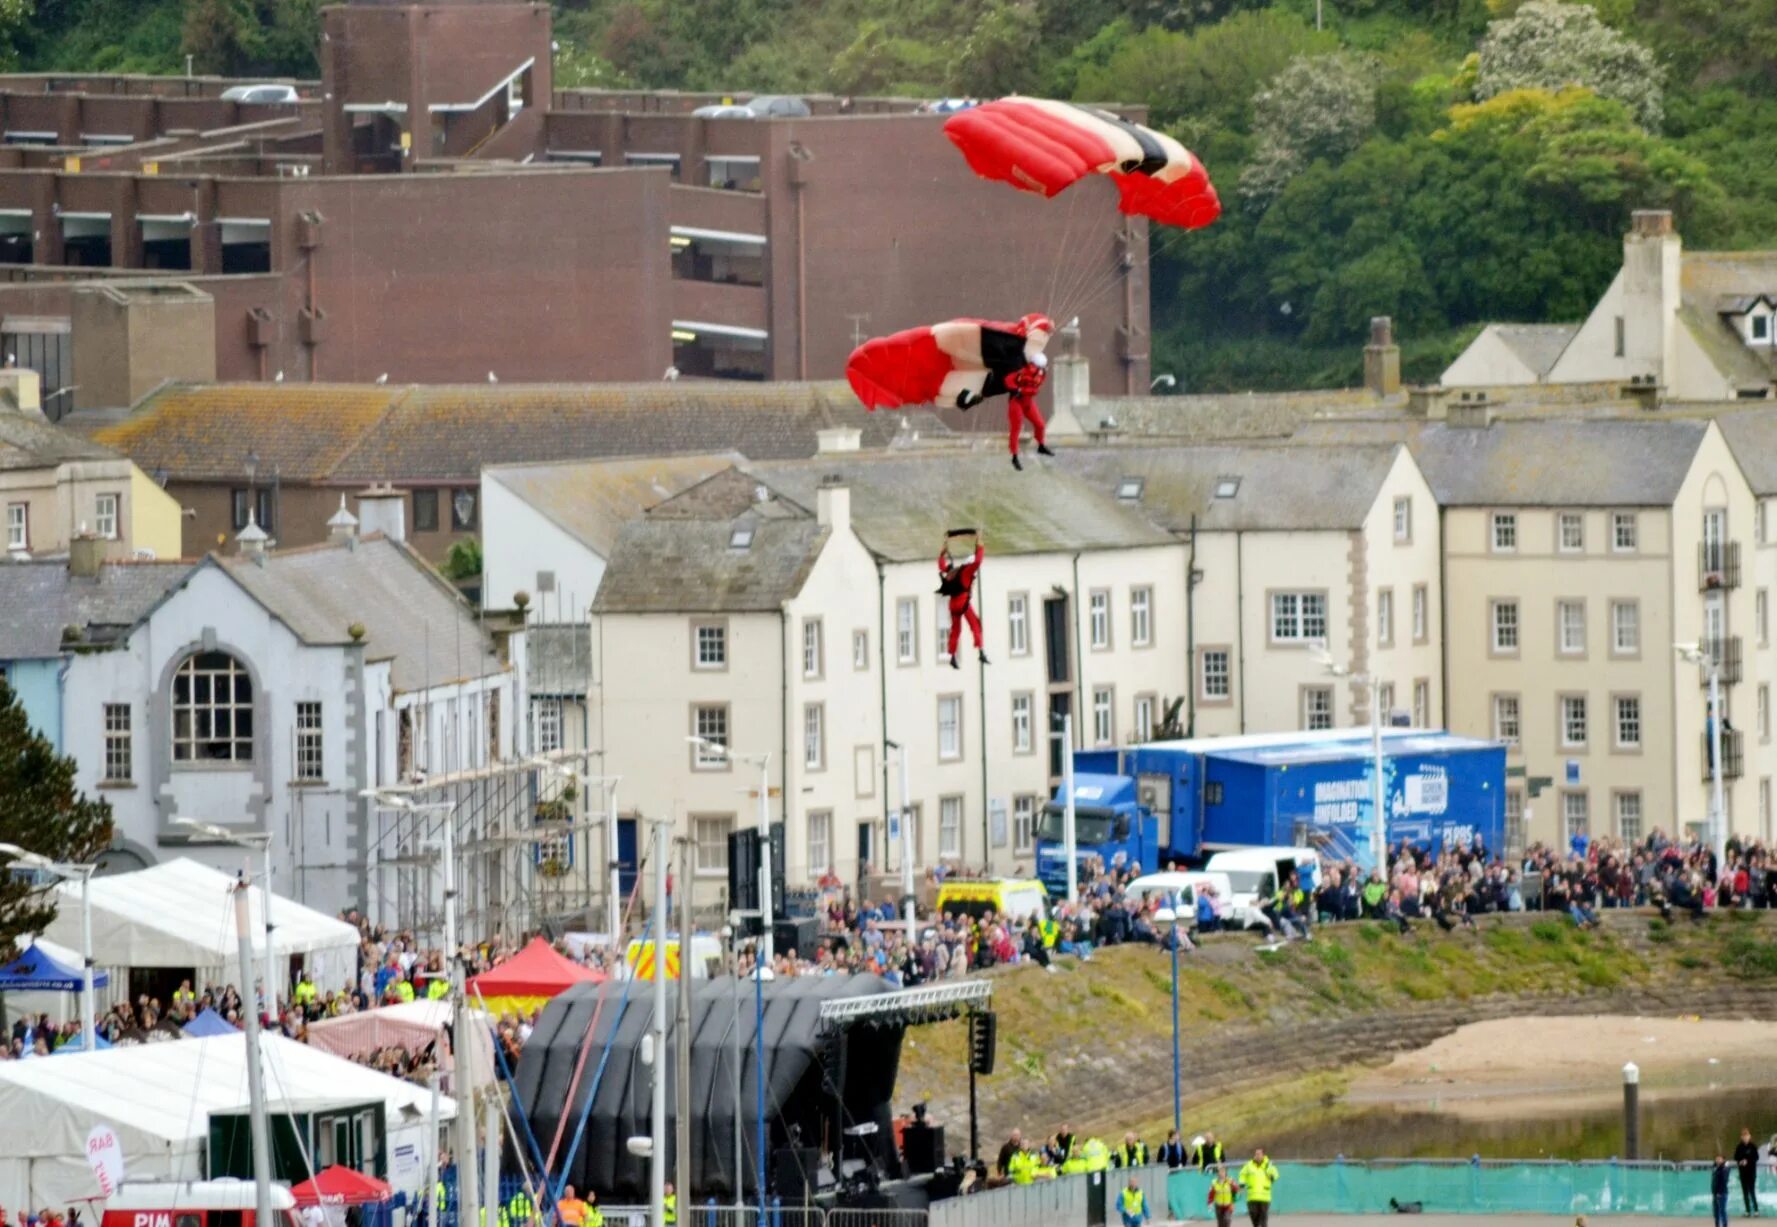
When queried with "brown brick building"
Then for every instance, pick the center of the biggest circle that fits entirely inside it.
(433, 211)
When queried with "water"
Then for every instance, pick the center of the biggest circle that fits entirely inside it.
(1680, 1123)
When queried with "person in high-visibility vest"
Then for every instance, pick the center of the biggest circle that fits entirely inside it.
(669, 1206)
(518, 1211)
(1096, 1154)
(1256, 1178)
(570, 1209)
(437, 987)
(1132, 1204)
(403, 990)
(305, 993)
(1132, 1153)
(594, 1216)
(1021, 1167)
(183, 998)
(1206, 1152)
(1051, 933)
(1222, 1192)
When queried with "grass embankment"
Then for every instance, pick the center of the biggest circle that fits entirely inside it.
(1100, 1032)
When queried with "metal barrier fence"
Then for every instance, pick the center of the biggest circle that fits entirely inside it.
(1474, 1186)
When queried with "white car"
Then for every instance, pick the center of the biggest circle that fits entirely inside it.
(723, 110)
(1255, 874)
(260, 93)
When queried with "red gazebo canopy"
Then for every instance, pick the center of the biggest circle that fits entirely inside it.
(341, 1186)
(535, 971)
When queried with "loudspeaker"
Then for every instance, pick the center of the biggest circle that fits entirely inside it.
(793, 1172)
(923, 1148)
(797, 935)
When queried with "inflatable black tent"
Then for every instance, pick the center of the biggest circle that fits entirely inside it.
(820, 1080)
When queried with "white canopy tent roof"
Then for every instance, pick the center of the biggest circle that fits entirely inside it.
(158, 1098)
(181, 914)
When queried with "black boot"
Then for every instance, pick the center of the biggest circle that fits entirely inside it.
(1043, 450)
(984, 659)
(953, 661)
(1017, 463)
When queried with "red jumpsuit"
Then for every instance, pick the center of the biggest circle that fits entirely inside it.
(962, 607)
(1023, 386)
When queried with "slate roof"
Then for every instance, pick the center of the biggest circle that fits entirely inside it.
(358, 433)
(411, 615)
(1713, 281)
(1752, 435)
(901, 505)
(1279, 487)
(1536, 345)
(31, 442)
(591, 501)
(39, 598)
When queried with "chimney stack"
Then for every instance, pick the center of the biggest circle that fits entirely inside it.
(1427, 402)
(1382, 358)
(1470, 411)
(833, 504)
(1646, 341)
(21, 390)
(86, 553)
(342, 525)
(383, 509)
(1070, 382)
(838, 439)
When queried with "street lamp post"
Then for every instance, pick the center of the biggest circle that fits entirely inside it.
(1717, 823)
(1378, 794)
(66, 870)
(1168, 919)
(908, 906)
(761, 964)
(260, 840)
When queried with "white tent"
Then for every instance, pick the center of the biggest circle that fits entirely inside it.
(158, 1098)
(181, 914)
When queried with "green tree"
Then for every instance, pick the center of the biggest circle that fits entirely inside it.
(1320, 106)
(220, 35)
(1000, 54)
(39, 811)
(463, 561)
(1551, 45)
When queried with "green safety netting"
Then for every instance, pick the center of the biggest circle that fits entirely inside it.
(1476, 1187)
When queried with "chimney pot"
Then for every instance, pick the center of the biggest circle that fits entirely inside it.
(1426, 402)
(86, 553)
(1381, 330)
(383, 509)
(1650, 223)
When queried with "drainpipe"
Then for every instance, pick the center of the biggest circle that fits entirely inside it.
(62, 671)
(981, 682)
(1191, 633)
(1240, 623)
(882, 680)
(1079, 659)
(783, 768)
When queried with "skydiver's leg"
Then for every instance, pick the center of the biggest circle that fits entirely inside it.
(1039, 427)
(974, 622)
(956, 632)
(1014, 424)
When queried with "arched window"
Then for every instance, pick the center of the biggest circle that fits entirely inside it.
(212, 710)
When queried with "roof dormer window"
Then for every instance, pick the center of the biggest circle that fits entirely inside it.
(1758, 328)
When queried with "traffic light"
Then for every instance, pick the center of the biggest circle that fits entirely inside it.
(981, 1042)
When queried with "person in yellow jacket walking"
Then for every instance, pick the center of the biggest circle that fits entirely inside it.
(1133, 1204)
(1256, 1179)
(1222, 1192)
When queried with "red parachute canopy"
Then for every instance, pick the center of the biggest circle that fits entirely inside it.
(1045, 147)
(957, 364)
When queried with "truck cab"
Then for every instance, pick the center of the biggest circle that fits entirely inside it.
(1122, 816)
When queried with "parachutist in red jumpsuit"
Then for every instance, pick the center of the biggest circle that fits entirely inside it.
(957, 582)
(1022, 387)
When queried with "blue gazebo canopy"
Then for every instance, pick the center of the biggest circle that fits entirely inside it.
(35, 971)
(209, 1023)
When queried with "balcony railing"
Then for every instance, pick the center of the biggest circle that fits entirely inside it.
(1726, 654)
(1733, 760)
(1718, 565)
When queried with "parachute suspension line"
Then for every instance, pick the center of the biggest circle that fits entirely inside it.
(1106, 282)
(1078, 273)
(1061, 250)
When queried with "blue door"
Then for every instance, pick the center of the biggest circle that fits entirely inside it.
(626, 855)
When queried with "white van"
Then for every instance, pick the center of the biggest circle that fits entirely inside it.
(1182, 888)
(194, 1203)
(1254, 874)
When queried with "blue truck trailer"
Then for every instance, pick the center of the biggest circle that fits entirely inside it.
(1181, 801)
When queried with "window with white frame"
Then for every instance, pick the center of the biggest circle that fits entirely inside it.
(1298, 617)
(1141, 617)
(1419, 613)
(950, 726)
(1024, 821)
(1570, 619)
(1099, 607)
(941, 620)
(709, 722)
(1576, 816)
(1018, 624)
(814, 736)
(1104, 720)
(820, 842)
(546, 725)
(1317, 707)
(1021, 706)
(1625, 627)
(1514, 815)
(311, 762)
(1573, 721)
(1384, 616)
(906, 631)
(1628, 721)
(712, 645)
(1764, 711)
(119, 744)
(1385, 701)
(105, 516)
(1625, 532)
(1505, 626)
(1144, 718)
(18, 526)
(1213, 666)
(1764, 808)
(950, 827)
(1761, 615)
(1421, 704)
(860, 650)
(212, 710)
(1570, 532)
(1505, 531)
(1403, 519)
(814, 662)
(1628, 806)
(1760, 528)
(710, 834)
(1506, 724)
